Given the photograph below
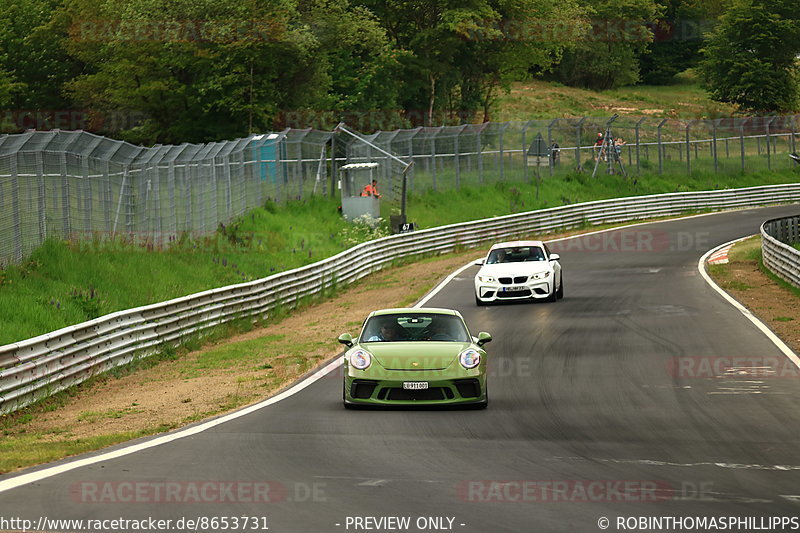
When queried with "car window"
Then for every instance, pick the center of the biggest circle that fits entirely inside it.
(415, 327)
(517, 254)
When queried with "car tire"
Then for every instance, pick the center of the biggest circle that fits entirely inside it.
(560, 293)
(479, 302)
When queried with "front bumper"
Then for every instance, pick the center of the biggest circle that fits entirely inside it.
(533, 290)
(448, 387)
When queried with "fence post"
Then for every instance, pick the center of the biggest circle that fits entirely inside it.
(17, 257)
(714, 144)
(660, 148)
(66, 227)
(550, 161)
(433, 154)
(578, 130)
(42, 197)
(638, 123)
(480, 153)
(688, 149)
(769, 158)
(457, 157)
(525, 151)
(741, 140)
(502, 159)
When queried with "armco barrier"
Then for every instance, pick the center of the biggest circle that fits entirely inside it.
(781, 258)
(37, 367)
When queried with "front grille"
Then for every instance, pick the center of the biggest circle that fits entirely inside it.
(513, 294)
(468, 388)
(362, 389)
(424, 395)
(509, 281)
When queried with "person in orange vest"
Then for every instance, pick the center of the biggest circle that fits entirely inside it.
(371, 189)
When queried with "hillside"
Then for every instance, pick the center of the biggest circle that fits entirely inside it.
(541, 99)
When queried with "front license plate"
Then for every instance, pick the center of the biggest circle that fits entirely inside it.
(514, 288)
(415, 385)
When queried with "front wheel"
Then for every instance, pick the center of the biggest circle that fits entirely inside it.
(560, 293)
(479, 302)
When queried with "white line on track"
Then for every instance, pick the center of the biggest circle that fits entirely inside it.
(745, 311)
(38, 475)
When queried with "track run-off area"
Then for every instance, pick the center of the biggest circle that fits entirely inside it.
(643, 395)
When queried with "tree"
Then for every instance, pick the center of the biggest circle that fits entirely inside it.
(677, 38)
(457, 54)
(607, 56)
(190, 70)
(751, 58)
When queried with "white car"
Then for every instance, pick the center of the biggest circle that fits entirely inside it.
(518, 270)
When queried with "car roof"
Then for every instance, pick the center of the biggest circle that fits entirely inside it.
(429, 310)
(516, 244)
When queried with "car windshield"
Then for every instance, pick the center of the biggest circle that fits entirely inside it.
(415, 327)
(517, 254)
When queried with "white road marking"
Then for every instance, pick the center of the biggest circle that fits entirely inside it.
(650, 462)
(373, 483)
(746, 312)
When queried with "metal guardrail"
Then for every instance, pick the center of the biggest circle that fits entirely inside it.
(777, 236)
(38, 367)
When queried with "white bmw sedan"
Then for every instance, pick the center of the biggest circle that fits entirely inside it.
(518, 270)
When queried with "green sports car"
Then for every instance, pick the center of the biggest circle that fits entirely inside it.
(415, 357)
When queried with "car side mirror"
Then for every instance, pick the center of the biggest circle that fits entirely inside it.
(480, 261)
(483, 338)
(346, 339)
(554, 257)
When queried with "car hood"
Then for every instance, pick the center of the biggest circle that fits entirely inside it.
(516, 269)
(417, 355)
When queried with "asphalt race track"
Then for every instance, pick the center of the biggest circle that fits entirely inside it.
(617, 401)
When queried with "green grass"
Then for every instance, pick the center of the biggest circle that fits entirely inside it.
(431, 208)
(538, 99)
(17, 451)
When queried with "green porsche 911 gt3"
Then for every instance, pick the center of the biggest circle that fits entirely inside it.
(414, 357)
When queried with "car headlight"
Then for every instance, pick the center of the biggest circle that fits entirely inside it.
(469, 358)
(486, 279)
(541, 275)
(360, 359)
